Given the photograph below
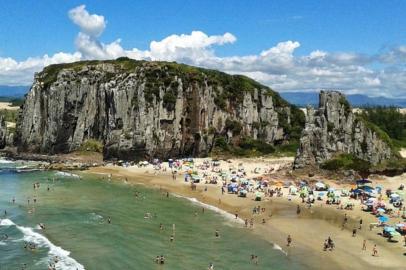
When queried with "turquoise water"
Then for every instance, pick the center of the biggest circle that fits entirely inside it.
(75, 212)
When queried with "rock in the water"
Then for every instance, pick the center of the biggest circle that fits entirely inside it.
(335, 129)
(138, 109)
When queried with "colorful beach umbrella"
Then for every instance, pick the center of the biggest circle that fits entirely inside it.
(383, 219)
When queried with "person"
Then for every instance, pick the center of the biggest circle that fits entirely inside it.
(172, 238)
(236, 215)
(360, 223)
(298, 210)
(217, 234)
(263, 221)
(109, 220)
(161, 227)
(289, 240)
(211, 266)
(364, 245)
(157, 259)
(162, 259)
(354, 232)
(246, 223)
(375, 251)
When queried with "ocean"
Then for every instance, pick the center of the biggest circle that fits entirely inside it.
(77, 235)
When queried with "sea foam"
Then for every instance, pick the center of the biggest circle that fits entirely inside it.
(225, 214)
(64, 261)
(65, 174)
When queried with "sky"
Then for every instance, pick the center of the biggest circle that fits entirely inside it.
(353, 46)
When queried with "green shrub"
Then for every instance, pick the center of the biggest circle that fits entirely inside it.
(233, 125)
(169, 101)
(92, 145)
(346, 162)
(221, 143)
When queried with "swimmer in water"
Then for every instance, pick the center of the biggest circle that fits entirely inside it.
(217, 234)
(109, 220)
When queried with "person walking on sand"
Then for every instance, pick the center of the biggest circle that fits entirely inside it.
(354, 232)
(375, 251)
(364, 245)
(360, 223)
(289, 240)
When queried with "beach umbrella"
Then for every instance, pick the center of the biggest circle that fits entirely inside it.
(383, 219)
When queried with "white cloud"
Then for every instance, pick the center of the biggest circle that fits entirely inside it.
(92, 25)
(278, 66)
(13, 72)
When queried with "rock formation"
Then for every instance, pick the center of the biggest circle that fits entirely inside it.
(335, 129)
(137, 109)
(3, 132)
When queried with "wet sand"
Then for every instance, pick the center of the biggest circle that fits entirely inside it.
(308, 230)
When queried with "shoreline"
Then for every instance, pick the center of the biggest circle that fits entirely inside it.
(308, 230)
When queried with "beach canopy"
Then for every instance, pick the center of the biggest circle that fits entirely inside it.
(383, 219)
(363, 182)
(320, 185)
(394, 195)
(389, 229)
(394, 233)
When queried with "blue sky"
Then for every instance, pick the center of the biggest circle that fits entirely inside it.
(362, 39)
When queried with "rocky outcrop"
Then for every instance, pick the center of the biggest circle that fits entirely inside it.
(140, 109)
(3, 132)
(334, 129)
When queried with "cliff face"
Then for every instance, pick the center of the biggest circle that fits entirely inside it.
(3, 133)
(335, 129)
(137, 109)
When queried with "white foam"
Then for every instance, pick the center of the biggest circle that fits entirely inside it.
(277, 247)
(65, 262)
(65, 174)
(227, 215)
(4, 161)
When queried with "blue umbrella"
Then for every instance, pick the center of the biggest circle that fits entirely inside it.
(383, 219)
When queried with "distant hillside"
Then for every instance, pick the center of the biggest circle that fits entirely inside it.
(312, 98)
(13, 91)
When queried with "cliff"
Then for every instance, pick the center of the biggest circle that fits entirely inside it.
(334, 129)
(3, 132)
(135, 109)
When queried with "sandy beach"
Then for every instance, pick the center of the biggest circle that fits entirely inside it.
(308, 230)
(7, 106)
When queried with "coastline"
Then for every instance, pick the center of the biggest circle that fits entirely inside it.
(308, 230)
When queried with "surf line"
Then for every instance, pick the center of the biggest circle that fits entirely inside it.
(225, 214)
(65, 262)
